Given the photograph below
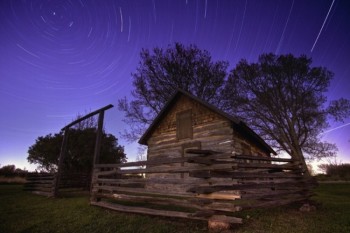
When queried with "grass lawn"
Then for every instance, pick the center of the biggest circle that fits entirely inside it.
(25, 212)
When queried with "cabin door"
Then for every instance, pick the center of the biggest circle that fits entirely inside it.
(190, 145)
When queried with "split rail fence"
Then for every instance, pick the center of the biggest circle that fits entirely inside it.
(203, 185)
(44, 183)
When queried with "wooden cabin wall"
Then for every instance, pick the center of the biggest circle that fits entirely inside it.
(240, 143)
(210, 130)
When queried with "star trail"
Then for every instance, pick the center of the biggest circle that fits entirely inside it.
(59, 58)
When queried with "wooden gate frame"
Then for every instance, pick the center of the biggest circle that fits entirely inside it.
(65, 129)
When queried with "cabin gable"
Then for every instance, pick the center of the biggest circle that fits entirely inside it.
(188, 122)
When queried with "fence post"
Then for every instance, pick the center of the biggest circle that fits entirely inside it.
(97, 151)
(60, 162)
(98, 138)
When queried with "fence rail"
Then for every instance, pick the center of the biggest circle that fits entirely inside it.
(40, 183)
(44, 183)
(202, 185)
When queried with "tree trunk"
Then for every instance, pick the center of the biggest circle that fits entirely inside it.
(299, 156)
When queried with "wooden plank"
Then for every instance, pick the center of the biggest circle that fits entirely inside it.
(173, 181)
(162, 161)
(141, 210)
(196, 203)
(177, 169)
(38, 185)
(242, 174)
(269, 166)
(220, 196)
(40, 182)
(173, 194)
(47, 194)
(216, 188)
(87, 116)
(142, 191)
(261, 158)
(272, 193)
(202, 152)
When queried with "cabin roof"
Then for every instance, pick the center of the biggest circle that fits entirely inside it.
(237, 124)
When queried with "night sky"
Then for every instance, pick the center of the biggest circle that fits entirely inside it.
(60, 58)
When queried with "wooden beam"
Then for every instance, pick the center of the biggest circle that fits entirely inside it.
(191, 202)
(88, 115)
(163, 213)
(261, 158)
(148, 211)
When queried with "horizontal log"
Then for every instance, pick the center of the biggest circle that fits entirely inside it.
(47, 194)
(142, 191)
(216, 188)
(220, 196)
(202, 152)
(269, 166)
(40, 178)
(148, 211)
(162, 161)
(173, 181)
(268, 204)
(175, 169)
(164, 213)
(173, 194)
(28, 185)
(39, 182)
(41, 189)
(261, 158)
(242, 174)
(195, 203)
(270, 193)
(267, 181)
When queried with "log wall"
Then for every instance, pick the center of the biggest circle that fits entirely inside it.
(211, 131)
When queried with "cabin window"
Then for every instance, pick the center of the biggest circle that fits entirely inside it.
(184, 125)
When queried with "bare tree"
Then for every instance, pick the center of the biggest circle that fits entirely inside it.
(283, 99)
(160, 73)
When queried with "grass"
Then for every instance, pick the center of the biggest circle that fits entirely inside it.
(332, 214)
(25, 212)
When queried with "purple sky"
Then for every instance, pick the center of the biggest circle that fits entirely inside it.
(59, 58)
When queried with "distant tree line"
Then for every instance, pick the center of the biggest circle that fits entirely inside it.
(336, 171)
(12, 171)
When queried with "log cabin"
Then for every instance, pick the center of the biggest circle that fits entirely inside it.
(187, 122)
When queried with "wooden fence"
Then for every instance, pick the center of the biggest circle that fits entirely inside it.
(40, 183)
(202, 185)
(44, 183)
